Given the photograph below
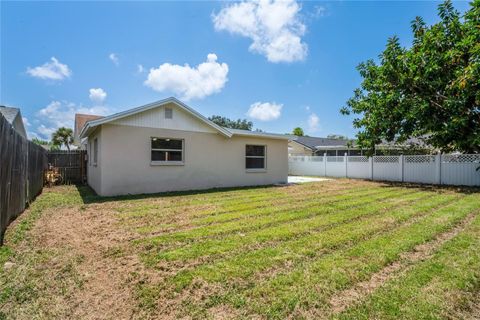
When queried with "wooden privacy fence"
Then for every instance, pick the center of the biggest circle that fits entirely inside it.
(448, 169)
(71, 164)
(22, 166)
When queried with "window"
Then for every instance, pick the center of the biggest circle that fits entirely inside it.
(90, 153)
(95, 151)
(167, 150)
(168, 113)
(255, 157)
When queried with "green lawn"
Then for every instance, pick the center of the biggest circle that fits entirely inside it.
(341, 249)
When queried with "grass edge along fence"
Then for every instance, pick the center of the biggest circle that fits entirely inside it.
(22, 167)
(440, 169)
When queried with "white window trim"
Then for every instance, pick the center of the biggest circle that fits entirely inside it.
(254, 170)
(167, 163)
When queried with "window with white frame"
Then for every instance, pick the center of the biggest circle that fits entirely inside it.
(255, 157)
(166, 150)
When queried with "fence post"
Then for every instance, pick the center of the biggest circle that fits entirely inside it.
(438, 168)
(325, 164)
(370, 160)
(345, 158)
(401, 160)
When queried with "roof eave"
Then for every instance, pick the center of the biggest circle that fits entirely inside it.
(93, 123)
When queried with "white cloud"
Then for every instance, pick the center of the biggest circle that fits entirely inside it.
(189, 82)
(313, 122)
(62, 114)
(140, 68)
(275, 27)
(53, 70)
(114, 58)
(97, 95)
(26, 122)
(265, 111)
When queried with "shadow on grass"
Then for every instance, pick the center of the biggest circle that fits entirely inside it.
(89, 196)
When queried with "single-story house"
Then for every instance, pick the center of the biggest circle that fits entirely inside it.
(80, 121)
(14, 117)
(317, 146)
(168, 146)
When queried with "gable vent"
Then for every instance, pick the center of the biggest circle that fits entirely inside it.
(168, 113)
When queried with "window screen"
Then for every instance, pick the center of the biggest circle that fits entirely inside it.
(164, 149)
(255, 157)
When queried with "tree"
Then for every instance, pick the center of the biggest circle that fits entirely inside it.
(63, 136)
(47, 144)
(337, 136)
(298, 132)
(429, 90)
(232, 124)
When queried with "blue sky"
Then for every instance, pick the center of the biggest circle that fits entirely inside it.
(280, 65)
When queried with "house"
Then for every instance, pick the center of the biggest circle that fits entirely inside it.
(311, 146)
(14, 117)
(168, 146)
(316, 146)
(80, 120)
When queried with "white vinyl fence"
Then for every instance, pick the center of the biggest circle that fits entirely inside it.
(450, 169)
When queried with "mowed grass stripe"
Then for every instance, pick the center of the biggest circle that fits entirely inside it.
(310, 286)
(170, 201)
(440, 287)
(228, 211)
(326, 218)
(251, 209)
(156, 214)
(297, 250)
(271, 217)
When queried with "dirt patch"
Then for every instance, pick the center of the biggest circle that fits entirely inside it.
(105, 264)
(360, 291)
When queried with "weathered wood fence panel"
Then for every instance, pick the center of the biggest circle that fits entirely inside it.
(71, 164)
(22, 165)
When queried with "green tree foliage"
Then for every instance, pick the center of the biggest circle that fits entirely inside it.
(430, 90)
(63, 136)
(298, 132)
(337, 136)
(47, 144)
(233, 124)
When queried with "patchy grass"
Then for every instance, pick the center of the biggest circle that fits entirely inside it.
(267, 252)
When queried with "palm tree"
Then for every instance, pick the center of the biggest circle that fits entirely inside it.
(63, 136)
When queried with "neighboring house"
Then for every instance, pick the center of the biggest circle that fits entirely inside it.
(167, 146)
(310, 146)
(14, 117)
(80, 120)
(316, 146)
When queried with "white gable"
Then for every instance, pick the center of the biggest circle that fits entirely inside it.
(155, 118)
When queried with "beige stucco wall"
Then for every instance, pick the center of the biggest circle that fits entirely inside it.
(296, 149)
(210, 160)
(94, 172)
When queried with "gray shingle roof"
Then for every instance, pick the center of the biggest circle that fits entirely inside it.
(316, 142)
(9, 113)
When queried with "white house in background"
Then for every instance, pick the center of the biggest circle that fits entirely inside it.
(14, 117)
(168, 146)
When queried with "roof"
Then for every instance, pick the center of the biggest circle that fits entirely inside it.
(14, 117)
(81, 119)
(227, 132)
(262, 134)
(9, 113)
(317, 143)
